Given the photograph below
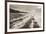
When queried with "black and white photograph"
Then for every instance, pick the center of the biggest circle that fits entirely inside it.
(24, 17)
